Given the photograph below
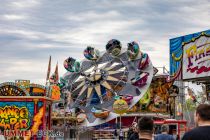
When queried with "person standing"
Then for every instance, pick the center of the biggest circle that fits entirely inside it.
(145, 126)
(115, 134)
(130, 132)
(164, 134)
(134, 135)
(202, 121)
(121, 135)
(2, 133)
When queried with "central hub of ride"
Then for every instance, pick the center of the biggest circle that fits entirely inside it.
(95, 75)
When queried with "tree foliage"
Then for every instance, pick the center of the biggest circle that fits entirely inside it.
(189, 105)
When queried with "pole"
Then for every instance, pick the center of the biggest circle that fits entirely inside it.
(174, 108)
(120, 127)
(116, 122)
(182, 98)
(120, 122)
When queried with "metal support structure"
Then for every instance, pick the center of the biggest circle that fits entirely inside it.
(181, 97)
(120, 122)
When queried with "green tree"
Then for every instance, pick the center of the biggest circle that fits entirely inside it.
(189, 105)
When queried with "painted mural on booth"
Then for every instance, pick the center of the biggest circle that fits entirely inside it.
(16, 115)
(14, 118)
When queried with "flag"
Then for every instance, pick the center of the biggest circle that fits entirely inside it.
(56, 73)
(54, 77)
(49, 69)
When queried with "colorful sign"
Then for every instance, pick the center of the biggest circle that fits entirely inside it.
(12, 89)
(22, 83)
(16, 115)
(22, 88)
(177, 53)
(36, 90)
(196, 57)
(55, 91)
(120, 106)
(13, 117)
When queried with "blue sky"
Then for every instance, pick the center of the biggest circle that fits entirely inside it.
(31, 30)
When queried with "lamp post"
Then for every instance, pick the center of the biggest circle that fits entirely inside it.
(120, 107)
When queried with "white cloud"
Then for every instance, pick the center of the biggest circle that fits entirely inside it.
(92, 16)
(24, 3)
(13, 17)
(94, 32)
(23, 69)
(23, 33)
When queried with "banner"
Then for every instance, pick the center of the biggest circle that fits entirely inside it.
(196, 58)
(176, 52)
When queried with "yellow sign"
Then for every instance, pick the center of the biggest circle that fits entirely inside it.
(14, 118)
(55, 92)
(120, 106)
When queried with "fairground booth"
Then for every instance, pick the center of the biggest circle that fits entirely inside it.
(25, 108)
(190, 62)
(190, 59)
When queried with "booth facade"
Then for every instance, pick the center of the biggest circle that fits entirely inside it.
(24, 108)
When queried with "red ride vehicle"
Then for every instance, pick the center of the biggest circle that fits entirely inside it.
(177, 128)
